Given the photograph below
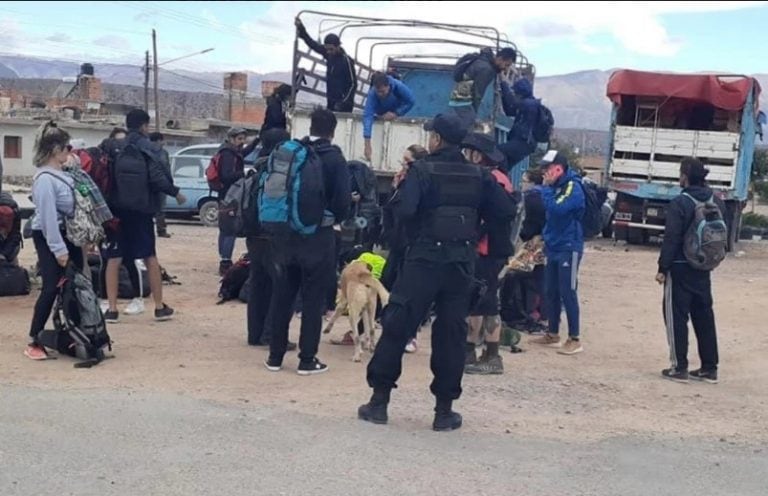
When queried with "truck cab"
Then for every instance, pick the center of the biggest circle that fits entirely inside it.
(658, 119)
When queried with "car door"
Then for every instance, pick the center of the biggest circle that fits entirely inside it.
(189, 176)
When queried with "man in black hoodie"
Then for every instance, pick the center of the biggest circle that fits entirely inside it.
(139, 183)
(341, 81)
(687, 291)
(231, 168)
(307, 262)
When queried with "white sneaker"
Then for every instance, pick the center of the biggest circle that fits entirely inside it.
(104, 306)
(411, 346)
(135, 307)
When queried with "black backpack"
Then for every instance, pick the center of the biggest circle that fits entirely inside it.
(14, 280)
(592, 221)
(462, 65)
(79, 327)
(130, 188)
(234, 279)
(542, 130)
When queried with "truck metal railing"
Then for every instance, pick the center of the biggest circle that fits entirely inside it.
(308, 71)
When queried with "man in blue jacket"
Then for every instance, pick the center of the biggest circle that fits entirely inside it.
(564, 246)
(387, 99)
(519, 103)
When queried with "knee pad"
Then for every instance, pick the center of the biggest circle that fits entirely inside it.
(490, 322)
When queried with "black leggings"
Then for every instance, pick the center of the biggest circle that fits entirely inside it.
(50, 272)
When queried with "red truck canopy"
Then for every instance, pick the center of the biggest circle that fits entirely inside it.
(725, 92)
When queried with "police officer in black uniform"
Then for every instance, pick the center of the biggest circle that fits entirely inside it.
(443, 201)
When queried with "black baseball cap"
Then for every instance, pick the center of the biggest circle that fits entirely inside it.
(485, 144)
(553, 157)
(448, 126)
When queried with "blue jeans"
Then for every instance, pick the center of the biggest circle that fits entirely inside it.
(226, 246)
(562, 283)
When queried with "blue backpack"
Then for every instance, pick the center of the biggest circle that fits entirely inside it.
(291, 194)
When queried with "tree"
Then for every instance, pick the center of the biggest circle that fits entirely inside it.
(760, 164)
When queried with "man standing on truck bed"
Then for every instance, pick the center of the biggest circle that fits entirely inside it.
(473, 73)
(387, 99)
(688, 289)
(341, 81)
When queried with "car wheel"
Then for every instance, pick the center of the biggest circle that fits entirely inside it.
(209, 213)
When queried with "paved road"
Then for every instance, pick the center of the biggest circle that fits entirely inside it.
(128, 443)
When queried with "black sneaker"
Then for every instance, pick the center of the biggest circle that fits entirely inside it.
(675, 375)
(373, 413)
(709, 376)
(312, 368)
(111, 317)
(273, 364)
(163, 235)
(163, 314)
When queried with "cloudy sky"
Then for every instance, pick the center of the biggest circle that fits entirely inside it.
(557, 37)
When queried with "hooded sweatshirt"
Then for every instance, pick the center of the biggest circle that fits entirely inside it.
(564, 204)
(520, 103)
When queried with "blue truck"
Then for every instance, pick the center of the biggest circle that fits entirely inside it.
(658, 119)
(422, 54)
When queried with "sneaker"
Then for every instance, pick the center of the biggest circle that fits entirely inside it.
(273, 364)
(571, 347)
(312, 368)
(345, 340)
(163, 234)
(411, 347)
(224, 266)
(135, 307)
(35, 352)
(163, 314)
(104, 306)
(548, 340)
(488, 366)
(111, 317)
(675, 375)
(709, 376)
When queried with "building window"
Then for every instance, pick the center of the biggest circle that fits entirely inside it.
(12, 147)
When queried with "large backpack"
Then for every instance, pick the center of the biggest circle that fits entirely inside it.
(129, 189)
(542, 130)
(291, 195)
(100, 165)
(592, 221)
(234, 279)
(706, 239)
(14, 280)
(79, 327)
(238, 213)
(462, 65)
(86, 225)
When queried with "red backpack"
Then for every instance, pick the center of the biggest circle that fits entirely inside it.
(213, 173)
(99, 168)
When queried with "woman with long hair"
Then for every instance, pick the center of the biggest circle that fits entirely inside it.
(53, 196)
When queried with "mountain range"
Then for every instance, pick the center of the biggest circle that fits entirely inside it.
(577, 100)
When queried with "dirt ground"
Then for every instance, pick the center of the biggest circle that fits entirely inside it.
(612, 389)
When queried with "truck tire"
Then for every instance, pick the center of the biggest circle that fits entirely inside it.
(637, 236)
(209, 213)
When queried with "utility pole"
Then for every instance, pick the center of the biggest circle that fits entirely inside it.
(146, 82)
(154, 63)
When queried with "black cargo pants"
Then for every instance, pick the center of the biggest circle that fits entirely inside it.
(688, 292)
(418, 285)
(306, 265)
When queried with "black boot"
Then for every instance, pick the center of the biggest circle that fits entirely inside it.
(375, 411)
(445, 418)
(470, 356)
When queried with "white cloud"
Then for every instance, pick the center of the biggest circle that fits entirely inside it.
(212, 19)
(636, 27)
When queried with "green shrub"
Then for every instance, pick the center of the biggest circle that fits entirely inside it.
(754, 220)
(761, 190)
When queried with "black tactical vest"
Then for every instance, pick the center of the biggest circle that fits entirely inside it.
(451, 205)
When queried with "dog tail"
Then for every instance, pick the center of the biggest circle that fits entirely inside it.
(369, 280)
